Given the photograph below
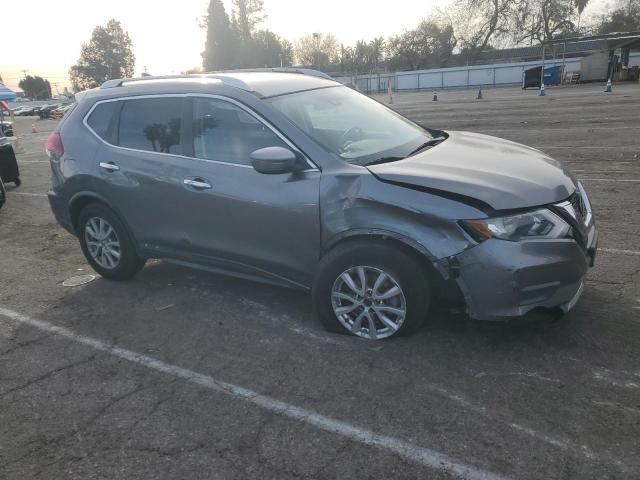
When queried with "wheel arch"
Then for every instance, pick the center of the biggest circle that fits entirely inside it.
(436, 272)
(390, 238)
(81, 199)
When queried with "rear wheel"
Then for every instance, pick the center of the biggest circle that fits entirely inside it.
(106, 244)
(371, 290)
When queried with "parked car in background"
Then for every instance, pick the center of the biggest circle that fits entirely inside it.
(46, 111)
(6, 128)
(299, 181)
(27, 111)
(59, 112)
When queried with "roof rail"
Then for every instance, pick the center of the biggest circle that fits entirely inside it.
(233, 82)
(304, 71)
(223, 76)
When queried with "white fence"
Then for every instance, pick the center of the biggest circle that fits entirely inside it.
(498, 74)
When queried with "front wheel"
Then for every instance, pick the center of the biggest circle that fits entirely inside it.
(371, 290)
(106, 244)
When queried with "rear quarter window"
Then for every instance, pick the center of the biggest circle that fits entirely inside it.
(102, 119)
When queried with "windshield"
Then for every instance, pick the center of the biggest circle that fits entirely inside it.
(351, 125)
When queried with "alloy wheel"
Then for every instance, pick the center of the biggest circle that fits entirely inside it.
(102, 242)
(368, 302)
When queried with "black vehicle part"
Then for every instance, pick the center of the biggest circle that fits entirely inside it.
(9, 165)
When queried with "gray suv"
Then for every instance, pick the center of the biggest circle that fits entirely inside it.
(299, 181)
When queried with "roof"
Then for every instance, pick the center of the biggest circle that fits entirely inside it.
(262, 83)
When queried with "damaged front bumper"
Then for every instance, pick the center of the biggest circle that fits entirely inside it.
(501, 279)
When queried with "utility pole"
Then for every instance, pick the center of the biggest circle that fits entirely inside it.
(316, 36)
(24, 73)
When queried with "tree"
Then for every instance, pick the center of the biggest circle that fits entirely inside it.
(428, 45)
(546, 19)
(267, 49)
(377, 47)
(624, 18)
(317, 50)
(36, 88)
(287, 53)
(480, 22)
(107, 55)
(249, 13)
(220, 46)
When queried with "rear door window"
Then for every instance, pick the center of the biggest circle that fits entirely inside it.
(152, 124)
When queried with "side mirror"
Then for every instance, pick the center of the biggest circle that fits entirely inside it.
(273, 160)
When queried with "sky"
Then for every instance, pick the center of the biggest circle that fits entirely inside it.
(166, 36)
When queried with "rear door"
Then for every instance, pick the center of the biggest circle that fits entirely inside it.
(140, 165)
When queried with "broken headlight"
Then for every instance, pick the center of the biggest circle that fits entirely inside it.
(542, 223)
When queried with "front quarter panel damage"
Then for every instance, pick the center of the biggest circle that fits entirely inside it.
(353, 202)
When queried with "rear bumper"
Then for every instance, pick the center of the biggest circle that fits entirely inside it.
(501, 280)
(60, 211)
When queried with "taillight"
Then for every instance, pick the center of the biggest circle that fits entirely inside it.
(53, 146)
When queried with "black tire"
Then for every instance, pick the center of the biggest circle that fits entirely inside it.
(399, 264)
(3, 194)
(129, 262)
(17, 182)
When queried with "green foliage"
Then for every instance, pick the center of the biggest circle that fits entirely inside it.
(248, 14)
(237, 43)
(317, 50)
(36, 88)
(625, 17)
(428, 46)
(363, 57)
(106, 56)
(547, 19)
(219, 53)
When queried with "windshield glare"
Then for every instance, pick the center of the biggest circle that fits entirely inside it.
(351, 125)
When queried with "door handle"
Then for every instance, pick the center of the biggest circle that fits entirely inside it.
(109, 166)
(198, 183)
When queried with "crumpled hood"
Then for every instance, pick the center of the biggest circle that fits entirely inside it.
(500, 173)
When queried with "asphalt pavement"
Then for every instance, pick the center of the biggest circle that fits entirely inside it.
(181, 374)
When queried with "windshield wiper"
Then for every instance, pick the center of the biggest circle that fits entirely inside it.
(384, 160)
(429, 143)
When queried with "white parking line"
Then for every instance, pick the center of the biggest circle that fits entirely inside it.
(585, 147)
(425, 456)
(27, 194)
(619, 251)
(628, 180)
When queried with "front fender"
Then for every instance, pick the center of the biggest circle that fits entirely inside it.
(356, 203)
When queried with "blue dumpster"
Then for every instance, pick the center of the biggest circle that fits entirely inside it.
(552, 76)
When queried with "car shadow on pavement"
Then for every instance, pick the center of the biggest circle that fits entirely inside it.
(162, 291)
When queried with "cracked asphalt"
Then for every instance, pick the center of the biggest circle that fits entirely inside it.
(526, 400)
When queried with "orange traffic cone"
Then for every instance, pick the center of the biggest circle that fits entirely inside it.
(33, 128)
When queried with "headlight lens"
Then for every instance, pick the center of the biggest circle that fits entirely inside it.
(541, 223)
